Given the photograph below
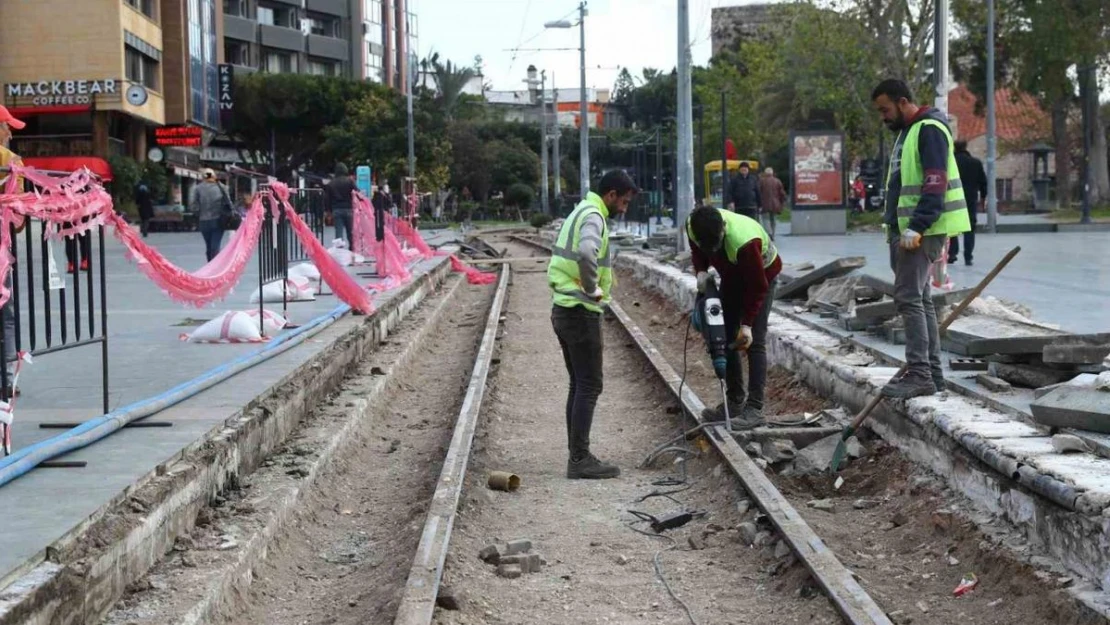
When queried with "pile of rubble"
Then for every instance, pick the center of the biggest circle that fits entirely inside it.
(998, 340)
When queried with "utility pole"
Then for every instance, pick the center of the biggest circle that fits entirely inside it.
(543, 142)
(658, 178)
(940, 56)
(698, 171)
(1087, 86)
(724, 151)
(411, 124)
(992, 139)
(584, 131)
(557, 167)
(684, 155)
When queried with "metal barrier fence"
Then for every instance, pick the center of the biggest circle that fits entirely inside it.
(278, 246)
(309, 204)
(41, 317)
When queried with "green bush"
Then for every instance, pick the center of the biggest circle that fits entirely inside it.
(519, 196)
(539, 220)
(126, 173)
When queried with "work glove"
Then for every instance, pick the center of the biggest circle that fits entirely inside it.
(597, 295)
(743, 339)
(910, 240)
(703, 280)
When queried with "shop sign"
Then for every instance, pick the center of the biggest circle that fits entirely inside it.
(61, 92)
(226, 94)
(181, 136)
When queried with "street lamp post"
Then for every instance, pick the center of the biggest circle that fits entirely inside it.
(584, 123)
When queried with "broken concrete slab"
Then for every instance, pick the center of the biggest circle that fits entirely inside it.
(1074, 407)
(779, 450)
(1083, 379)
(886, 287)
(887, 309)
(982, 335)
(1064, 443)
(1079, 349)
(1028, 376)
(993, 384)
(509, 571)
(799, 286)
(815, 459)
(801, 436)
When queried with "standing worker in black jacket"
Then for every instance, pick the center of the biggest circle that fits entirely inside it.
(975, 189)
(743, 193)
(337, 196)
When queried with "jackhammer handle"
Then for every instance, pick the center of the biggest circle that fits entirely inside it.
(952, 316)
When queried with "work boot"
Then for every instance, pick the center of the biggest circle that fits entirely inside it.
(590, 468)
(750, 417)
(938, 382)
(908, 386)
(715, 415)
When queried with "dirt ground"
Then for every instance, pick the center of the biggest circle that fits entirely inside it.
(906, 537)
(348, 550)
(598, 569)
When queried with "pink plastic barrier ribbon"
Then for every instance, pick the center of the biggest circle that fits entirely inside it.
(389, 257)
(331, 272)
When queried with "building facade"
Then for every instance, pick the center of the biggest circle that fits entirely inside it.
(89, 86)
(731, 25)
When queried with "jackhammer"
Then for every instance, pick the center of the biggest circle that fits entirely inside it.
(708, 318)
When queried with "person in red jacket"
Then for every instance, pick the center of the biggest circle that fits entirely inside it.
(746, 259)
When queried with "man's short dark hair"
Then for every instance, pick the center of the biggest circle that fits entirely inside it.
(707, 224)
(894, 89)
(961, 146)
(617, 180)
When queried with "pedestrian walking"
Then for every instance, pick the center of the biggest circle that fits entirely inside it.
(925, 205)
(146, 207)
(974, 179)
(772, 197)
(745, 257)
(743, 193)
(580, 275)
(337, 200)
(210, 201)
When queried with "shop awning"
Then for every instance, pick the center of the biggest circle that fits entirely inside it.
(96, 165)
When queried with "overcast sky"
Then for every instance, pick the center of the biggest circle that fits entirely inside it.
(619, 33)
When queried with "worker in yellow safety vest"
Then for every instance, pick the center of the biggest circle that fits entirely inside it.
(580, 275)
(925, 205)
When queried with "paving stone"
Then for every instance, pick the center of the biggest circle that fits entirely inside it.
(490, 554)
(528, 562)
(799, 286)
(1080, 349)
(826, 505)
(520, 545)
(1029, 376)
(887, 309)
(993, 384)
(1074, 407)
(509, 571)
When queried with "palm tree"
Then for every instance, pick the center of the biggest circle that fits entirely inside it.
(451, 80)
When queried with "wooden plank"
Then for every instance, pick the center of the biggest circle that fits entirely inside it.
(418, 603)
(845, 593)
(501, 261)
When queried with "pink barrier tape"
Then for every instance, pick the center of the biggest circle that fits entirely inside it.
(410, 235)
(331, 272)
(473, 276)
(388, 255)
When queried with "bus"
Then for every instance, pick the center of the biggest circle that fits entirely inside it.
(713, 179)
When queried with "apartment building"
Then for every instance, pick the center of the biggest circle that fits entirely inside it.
(361, 39)
(88, 86)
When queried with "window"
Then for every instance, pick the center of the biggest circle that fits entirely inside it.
(146, 7)
(373, 11)
(237, 8)
(237, 52)
(374, 33)
(320, 26)
(141, 69)
(373, 67)
(280, 63)
(322, 68)
(1004, 189)
(278, 16)
(412, 26)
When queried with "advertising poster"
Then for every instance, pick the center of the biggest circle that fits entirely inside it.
(818, 169)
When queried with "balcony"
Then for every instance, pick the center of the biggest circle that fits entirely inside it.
(293, 3)
(282, 38)
(329, 47)
(240, 28)
(337, 8)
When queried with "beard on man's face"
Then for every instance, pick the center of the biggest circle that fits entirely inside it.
(897, 123)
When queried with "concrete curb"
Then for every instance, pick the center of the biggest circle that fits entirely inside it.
(237, 577)
(86, 571)
(934, 432)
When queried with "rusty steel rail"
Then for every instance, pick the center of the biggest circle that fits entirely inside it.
(418, 602)
(846, 595)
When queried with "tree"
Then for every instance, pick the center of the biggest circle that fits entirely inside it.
(623, 88)
(513, 162)
(293, 110)
(471, 161)
(519, 196)
(451, 80)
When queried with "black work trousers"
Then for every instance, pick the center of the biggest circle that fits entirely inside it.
(756, 352)
(579, 333)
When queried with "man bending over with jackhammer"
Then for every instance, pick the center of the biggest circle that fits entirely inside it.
(746, 259)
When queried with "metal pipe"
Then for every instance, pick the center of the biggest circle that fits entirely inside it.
(103, 323)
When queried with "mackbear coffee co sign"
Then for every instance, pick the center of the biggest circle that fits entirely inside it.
(59, 92)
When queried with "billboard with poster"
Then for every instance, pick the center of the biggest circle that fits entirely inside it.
(817, 169)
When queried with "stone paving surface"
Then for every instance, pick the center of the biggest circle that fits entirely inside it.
(146, 358)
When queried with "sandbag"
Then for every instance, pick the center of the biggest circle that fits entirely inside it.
(296, 290)
(230, 327)
(305, 270)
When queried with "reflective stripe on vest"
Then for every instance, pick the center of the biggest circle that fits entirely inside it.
(739, 231)
(563, 276)
(954, 218)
